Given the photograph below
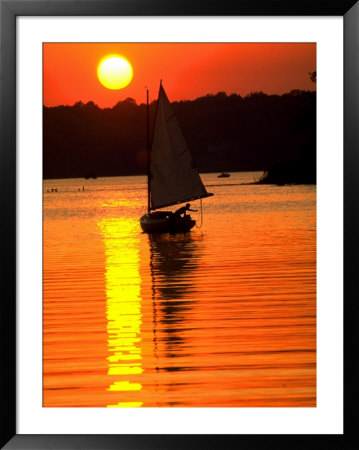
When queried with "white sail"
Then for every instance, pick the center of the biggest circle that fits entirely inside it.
(173, 178)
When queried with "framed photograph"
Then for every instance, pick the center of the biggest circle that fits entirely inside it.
(174, 178)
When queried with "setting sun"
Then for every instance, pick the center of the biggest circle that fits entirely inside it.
(114, 72)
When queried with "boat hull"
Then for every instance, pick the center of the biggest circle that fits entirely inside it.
(224, 175)
(164, 222)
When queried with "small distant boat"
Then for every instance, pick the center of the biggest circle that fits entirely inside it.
(223, 175)
(90, 174)
(171, 176)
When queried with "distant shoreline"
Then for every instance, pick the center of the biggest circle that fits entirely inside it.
(261, 181)
(143, 175)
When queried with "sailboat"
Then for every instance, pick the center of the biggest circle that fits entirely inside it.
(171, 176)
(224, 175)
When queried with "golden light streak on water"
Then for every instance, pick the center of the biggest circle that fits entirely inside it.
(123, 300)
(223, 316)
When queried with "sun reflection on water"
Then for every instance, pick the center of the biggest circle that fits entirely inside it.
(123, 306)
(222, 317)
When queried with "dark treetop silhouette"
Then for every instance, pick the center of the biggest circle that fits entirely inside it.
(250, 133)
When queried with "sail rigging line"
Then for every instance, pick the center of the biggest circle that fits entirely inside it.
(201, 215)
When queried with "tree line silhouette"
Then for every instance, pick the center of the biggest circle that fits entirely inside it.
(224, 132)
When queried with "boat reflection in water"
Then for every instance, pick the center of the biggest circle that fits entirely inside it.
(171, 262)
(212, 318)
(166, 286)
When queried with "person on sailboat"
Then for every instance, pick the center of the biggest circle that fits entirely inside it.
(184, 209)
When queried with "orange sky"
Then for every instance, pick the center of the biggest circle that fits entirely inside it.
(188, 71)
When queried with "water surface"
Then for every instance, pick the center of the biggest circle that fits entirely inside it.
(222, 316)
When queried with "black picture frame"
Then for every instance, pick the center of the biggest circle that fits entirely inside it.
(9, 10)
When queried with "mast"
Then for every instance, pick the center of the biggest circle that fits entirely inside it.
(149, 146)
(148, 158)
